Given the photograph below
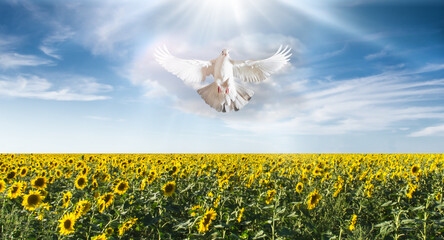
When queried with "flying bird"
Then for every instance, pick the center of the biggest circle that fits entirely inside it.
(224, 94)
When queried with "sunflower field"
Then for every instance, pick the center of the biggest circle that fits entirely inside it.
(221, 196)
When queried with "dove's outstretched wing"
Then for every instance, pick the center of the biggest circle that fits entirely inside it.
(191, 71)
(259, 70)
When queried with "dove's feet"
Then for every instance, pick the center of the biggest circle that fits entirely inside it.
(218, 89)
(227, 90)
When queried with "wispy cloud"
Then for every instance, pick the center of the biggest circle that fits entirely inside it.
(49, 45)
(14, 60)
(8, 41)
(31, 86)
(429, 131)
(383, 53)
(380, 54)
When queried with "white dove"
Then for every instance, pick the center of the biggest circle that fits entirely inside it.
(224, 94)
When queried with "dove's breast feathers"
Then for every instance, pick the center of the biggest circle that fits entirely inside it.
(223, 69)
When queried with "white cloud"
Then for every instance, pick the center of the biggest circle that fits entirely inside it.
(31, 86)
(429, 131)
(50, 51)
(380, 54)
(8, 41)
(373, 103)
(50, 44)
(14, 60)
(385, 52)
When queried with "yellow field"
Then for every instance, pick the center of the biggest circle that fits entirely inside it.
(221, 196)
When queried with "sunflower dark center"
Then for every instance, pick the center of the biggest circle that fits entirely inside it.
(169, 188)
(14, 189)
(81, 181)
(39, 182)
(121, 186)
(207, 219)
(108, 198)
(33, 199)
(314, 199)
(10, 175)
(67, 224)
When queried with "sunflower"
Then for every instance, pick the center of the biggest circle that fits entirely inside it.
(143, 184)
(338, 190)
(194, 209)
(299, 187)
(415, 170)
(95, 184)
(353, 222)
(58, 173)
(109, 231)
(151, 176)
(313, 199)
(84, 171)
(270, 196)
(216, 201)
(127, 225)
(43, 173)
(80, 165)
(101, 206)
(369, 189)
(67, 224)
(81, 182)
(82, 207)
(206, 220)
(121, 187)
(100, 237)
(66, 199)
(241, 213)
(411, 190)
(304, 177)
(32, 200)
(2, 186)
(39, 183)
(16, 189)
(11, 175)
(23, 171)
(105, 201)
(169, 188)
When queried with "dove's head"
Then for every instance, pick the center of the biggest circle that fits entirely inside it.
(225, 52)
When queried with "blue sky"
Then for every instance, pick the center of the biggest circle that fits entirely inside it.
(79, 76)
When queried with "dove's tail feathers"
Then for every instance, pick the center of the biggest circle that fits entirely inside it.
(211, 96)
(237, 98)
(241, 96)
